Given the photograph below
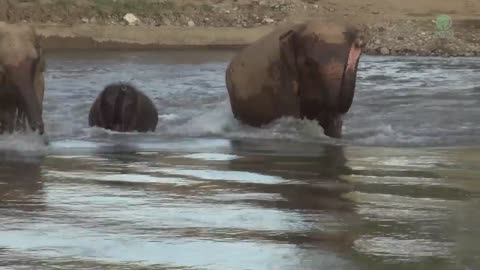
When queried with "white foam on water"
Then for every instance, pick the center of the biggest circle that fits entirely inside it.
(221, 122)
(214, 122)
(383, 134)
(24, 143)
(168, 117)
(99, 132)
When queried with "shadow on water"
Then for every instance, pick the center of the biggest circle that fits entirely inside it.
(312, 186)
(316, 178)
(21, 183)
(192, 197)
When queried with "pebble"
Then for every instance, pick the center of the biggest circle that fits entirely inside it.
(166, 21)
(131, 19)
(268, 20)
(384, 51)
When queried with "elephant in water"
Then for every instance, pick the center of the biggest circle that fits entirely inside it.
(306, 70)
(22, 85)
(123, 108)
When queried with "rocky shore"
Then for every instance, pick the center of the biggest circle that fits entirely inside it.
(406, 28)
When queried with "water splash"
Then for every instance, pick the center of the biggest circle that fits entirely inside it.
(398, 102)
(28, 143)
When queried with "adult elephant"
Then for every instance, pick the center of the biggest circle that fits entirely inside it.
(122, 107)
(306, 70)
(22, 65)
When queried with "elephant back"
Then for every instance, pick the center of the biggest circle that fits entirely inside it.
(17, 42)
(252, 70)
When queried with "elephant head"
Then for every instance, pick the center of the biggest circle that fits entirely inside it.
(118, 104)
(122, 107)
(21, 73)
(321, 62)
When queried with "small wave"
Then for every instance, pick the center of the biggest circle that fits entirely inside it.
(214, 122)
(384, 135)
(221, 122)
(416, 107)
(168, 117)
(99, 132)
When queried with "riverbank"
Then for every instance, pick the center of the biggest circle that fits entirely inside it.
(390, 28)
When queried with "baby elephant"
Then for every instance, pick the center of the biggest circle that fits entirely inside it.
(123, 108)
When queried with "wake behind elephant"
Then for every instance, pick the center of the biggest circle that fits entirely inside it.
(122, 107)
(305, 70)
(22, 65)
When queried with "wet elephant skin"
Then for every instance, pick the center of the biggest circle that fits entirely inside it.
(305, 70)
(122, 107)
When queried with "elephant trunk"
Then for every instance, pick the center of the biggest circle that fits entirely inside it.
(333, 126)
(22, 78)
(349, 77)
(339, 91)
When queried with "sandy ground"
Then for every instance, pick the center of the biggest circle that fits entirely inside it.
(406, 27)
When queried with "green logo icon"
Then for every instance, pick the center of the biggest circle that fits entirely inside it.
(443, 22)
(444, 26)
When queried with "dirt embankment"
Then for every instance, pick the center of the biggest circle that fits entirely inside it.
(390, 27)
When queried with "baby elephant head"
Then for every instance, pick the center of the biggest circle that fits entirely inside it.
(322, 59)
(121, 107)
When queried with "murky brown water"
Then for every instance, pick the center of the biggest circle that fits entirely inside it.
(204, 192)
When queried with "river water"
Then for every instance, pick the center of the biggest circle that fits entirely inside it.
(400, 190)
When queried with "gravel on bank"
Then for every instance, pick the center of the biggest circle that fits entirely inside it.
(152, 24)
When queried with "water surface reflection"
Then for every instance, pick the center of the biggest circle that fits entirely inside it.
(205, 192)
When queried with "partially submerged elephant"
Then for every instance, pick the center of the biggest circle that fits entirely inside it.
(305, 70)
(22, 65)
(123, 108)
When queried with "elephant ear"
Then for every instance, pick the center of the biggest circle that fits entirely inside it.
(41, 61)
(288, 57)
(39, 49)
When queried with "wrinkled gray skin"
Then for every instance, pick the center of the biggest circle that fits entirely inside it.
(123, 108)
(21, 79)
(305, 70)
